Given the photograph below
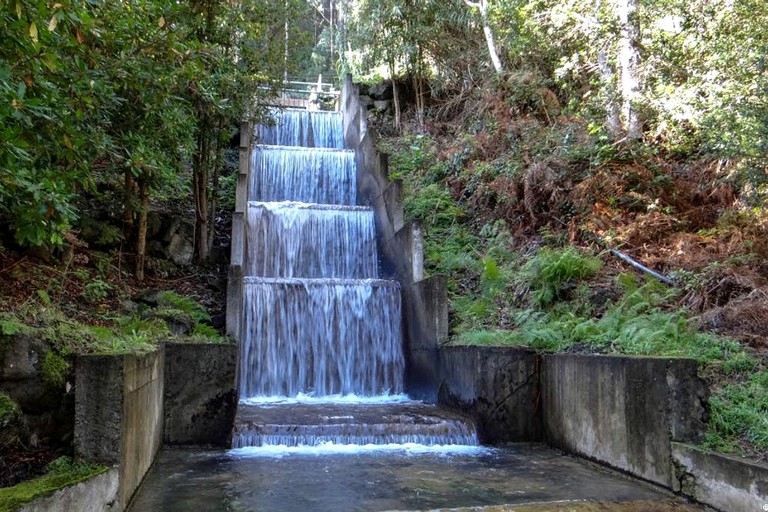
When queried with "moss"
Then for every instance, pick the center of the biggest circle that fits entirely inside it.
(55, 369)
(62, 473)
(8, 410)
(174, 301)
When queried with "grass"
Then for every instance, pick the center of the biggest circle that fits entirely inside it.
(61, 473)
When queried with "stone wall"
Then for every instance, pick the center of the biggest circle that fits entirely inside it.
(498, 386)
(119, 414)
(200, 395)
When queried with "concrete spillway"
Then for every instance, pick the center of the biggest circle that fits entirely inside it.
(315, 319)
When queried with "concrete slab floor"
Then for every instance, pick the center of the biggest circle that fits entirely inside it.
(524, 478)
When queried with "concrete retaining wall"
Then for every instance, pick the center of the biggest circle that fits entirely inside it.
(97, 494)
(400, 245)
(723, 482)
(200, 396)
(497, 386)
(622, 411)
(119, 414)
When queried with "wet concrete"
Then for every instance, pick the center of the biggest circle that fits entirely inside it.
(311, 425)
(528, 478)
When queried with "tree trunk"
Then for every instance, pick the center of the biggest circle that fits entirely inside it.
(141, 235)
(213, 195)
(493, 52)
(129, 208)
(608, 83)
(395, 95)
(629, 62)
(200, 188)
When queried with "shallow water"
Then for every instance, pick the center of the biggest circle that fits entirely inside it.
(397, 479)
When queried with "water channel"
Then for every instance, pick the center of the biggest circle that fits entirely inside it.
(323, 423)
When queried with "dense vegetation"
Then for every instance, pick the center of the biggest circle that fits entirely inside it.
(599, 130)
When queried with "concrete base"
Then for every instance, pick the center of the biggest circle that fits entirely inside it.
(497, 386)
(97, 494)
(622, 411)
(200, 396)
(723, 482)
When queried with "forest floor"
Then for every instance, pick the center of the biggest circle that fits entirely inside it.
(524, 209)
(82, 300)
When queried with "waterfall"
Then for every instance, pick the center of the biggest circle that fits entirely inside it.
(303, 128)
(308, 240)
(317, 323)
(324, 336)
(282, 173)
(315, 318)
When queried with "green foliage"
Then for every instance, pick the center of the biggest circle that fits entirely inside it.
(550, 269)
(110, 89)
(54, 369)
(8, 409)
(187, 305)
(739, 411)
(9, 325)
(61, 473)
(97, 290)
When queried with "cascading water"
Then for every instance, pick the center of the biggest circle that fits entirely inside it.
(318, 324)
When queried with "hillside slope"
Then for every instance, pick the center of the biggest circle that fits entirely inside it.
(541, 226)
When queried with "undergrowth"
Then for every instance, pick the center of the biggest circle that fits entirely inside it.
(62, 472)
(110, 333)
(517, 206)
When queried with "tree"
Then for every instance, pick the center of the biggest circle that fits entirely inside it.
(629, 63)
(493, 52)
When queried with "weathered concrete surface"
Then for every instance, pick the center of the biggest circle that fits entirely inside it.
(622, 411)
(200, 396)
(723, 482)
(97, 494)
(143, 384)
(99, 408)
(425, 312)
(425, 305)
(497, 386)
(119, 414)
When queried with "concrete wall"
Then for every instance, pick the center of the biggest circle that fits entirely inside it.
(622, 411)
(723, 482)
(498, 386)
(200, 395)
(238, 248)
(119, 414)
(400, 245)
(97, 494)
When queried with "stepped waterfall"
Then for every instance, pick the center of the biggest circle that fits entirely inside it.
(321, 357)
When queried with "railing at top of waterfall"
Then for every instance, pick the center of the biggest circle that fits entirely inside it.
(308, 95)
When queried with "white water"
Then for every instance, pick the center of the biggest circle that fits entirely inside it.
(303, 128)
(304, 240)
(308, 399)
(318, 326)
(326, 337)
(280, 451)
(282, 173)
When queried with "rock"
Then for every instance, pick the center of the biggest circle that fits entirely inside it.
(218, 320)
(154, 224)
(149, 297)
(381, 91)
(22, 378)
(181, 247)
(382, 104)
